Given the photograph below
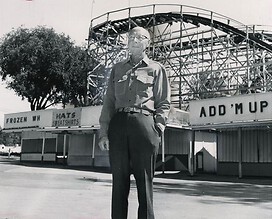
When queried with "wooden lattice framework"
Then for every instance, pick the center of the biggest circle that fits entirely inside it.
(206, 54)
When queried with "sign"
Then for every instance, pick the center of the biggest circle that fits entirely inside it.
(22, 120)
(242, 108)
(66, 117)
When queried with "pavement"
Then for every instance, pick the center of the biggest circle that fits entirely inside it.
(47, 191)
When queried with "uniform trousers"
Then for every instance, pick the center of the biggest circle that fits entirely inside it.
(134, 143)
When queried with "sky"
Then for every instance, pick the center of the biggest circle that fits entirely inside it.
(72, 17)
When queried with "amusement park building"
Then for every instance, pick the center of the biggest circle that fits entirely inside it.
(225, 136)
(220, 71)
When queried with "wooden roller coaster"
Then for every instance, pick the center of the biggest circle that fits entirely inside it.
(206, 54)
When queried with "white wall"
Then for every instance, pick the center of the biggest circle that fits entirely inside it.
(206, 143)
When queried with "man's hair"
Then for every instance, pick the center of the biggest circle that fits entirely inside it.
(143, 31)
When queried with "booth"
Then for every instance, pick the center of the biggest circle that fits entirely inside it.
(243, 132)
(67, 136)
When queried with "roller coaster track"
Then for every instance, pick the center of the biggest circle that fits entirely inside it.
(206, 54)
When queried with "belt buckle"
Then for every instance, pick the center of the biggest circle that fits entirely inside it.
(126, 109)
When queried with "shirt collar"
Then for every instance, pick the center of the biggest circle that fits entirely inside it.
(145, 60)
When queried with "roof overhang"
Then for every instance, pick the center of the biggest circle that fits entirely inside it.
(70, 130)
(20, 129)
(234, 125)
(177, 126)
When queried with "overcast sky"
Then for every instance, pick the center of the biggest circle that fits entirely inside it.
(72, 17)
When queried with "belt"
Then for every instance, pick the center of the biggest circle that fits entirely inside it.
(134, 110)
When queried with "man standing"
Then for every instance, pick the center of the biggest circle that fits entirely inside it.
(132, 120)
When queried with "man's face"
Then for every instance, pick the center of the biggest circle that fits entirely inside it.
(137, 42)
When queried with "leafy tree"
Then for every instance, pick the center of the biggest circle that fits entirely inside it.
(9, 138)
(43, 67)
(75, 89)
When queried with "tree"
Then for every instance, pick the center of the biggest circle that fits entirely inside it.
(75, 89)
(9, 138)
(43, 67)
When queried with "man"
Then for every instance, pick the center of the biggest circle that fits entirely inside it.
(132, 120)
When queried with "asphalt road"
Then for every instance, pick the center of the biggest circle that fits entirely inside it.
(35, 191)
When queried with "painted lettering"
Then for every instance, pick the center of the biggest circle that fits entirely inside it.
(253, 109)
(212, 111)
(67, 115)
(202, 112)
(238, 108)
(263, 104)
(36, 118)
(222, 110)
(72, 122)
(253, 106)
(16, 120)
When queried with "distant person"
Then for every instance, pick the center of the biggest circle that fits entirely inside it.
(132, 120)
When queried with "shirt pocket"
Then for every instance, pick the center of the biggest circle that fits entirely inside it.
(120, 85)
(144, 85)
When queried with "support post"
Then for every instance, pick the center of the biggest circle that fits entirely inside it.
(191, 155)
(163, 152)
(43, 146)
(240, 152)
(94, 140)
(56, 149)
(64, 147)
(217, 156)
(22, 150)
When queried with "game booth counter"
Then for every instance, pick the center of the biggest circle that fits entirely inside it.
(243, 127)
(58, 135)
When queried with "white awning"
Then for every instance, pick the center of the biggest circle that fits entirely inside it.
(70, 130)
(234, 125)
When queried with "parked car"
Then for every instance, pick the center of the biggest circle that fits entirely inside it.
(10, 150)
(3, 150)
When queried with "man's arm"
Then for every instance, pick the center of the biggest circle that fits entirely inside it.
(108, 108)
(162, 94)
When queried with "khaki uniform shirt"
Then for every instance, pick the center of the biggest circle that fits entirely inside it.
(143, 86)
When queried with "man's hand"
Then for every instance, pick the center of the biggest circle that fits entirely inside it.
(104, 143)
(160, 128)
